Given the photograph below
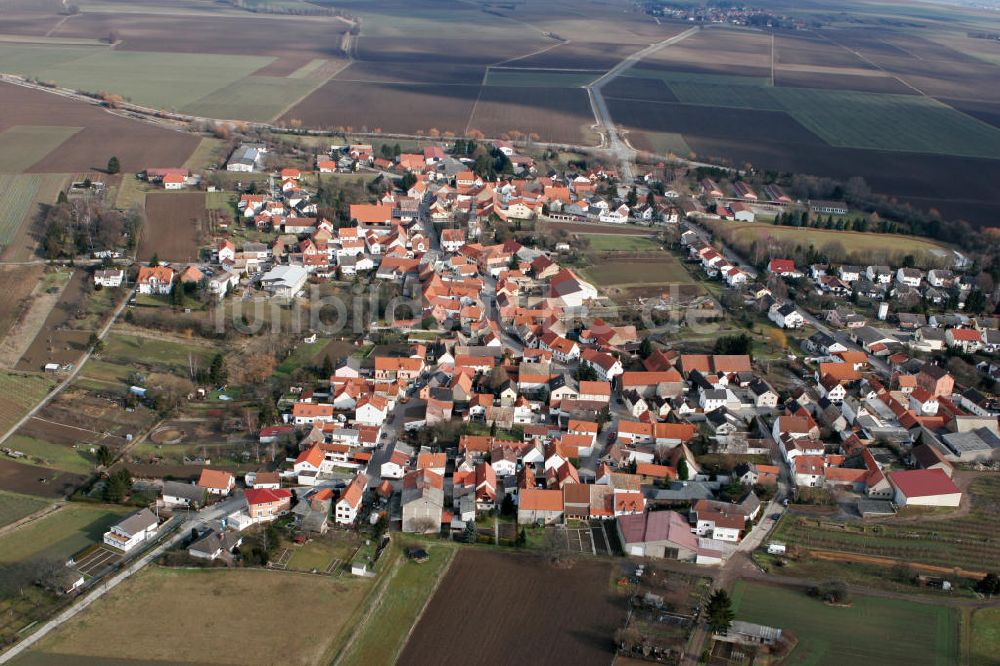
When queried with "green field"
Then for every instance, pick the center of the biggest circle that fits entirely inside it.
(158, 355)
(23, 145)
(61, 534)
(14, 507)
(16, 195)
(985, 636)
(623, 273)
(305, 70)
(410, 589)
(670, 78)
(613, 242)
(161, 80)
(872, 630)
(257, 98)
(850, 119)
(664, 143)
(841, 245)
(51, 454)
(539, 78)
(319, 553)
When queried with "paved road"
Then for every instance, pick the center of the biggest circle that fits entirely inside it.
(619, 148)
(201, 519)
(72, 375)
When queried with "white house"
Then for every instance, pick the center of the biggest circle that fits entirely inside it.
(155, 280)
(786, 316)
(347, 507)
(911, 277)
(132, 531)
(109, 278)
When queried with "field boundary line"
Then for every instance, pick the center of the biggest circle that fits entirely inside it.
(427, 602)
(320, 83)
(528, 55)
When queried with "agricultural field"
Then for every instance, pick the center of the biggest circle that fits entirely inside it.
(16, 285)
(242, 99)
(318, 607)
(14, 507)
(155, 354)
(560, 114)
(538, 78)
(408, 593)
(621, 242)
(575, 625)
(57, 341)
(16, 195)
(175, 223)
(137, 145)
(890, 631)
(60, 534)
(985, 635)
(19, 393)
(840, 245)
(37, 481)
(23, 243)
(23, 145)
(965, 541)
(626, 271)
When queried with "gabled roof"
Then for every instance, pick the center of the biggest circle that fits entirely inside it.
(266, 495)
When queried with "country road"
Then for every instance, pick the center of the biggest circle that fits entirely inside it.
(624, 153)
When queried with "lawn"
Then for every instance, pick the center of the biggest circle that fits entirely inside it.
(50, 454)
(323, 550)
(207, 154)
(385, 634)
(14, 507)
(985, 635)
(16, 195)
(23, 145)
(162, 80)
(305, 355)
(19, 393)
(613, 242)
(60, 534)
(212, 612)
(872, 629)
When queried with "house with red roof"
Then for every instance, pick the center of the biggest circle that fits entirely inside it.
(783, 268)
(924, 487)
(349, 503)
(216, 482)
(266, 504)
(540, 506)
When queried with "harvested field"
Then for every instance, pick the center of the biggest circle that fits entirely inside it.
(404, 72)
(137, 145)
(623, 270)
(174, 226)
(18, 394)
(321, 606)
(16, 285)
(891, 631)
(539, 78)
(575, 625)
(56, 342)
(872, 84)
(578, 55)
(428, 51)
(23, 145)
(196, 32)
(377, 106)
(810, 50)
(40, 481)
(554, 114)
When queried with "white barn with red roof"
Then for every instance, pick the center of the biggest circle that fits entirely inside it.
(924, 487)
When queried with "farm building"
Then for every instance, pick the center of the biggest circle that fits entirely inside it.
(247, 158)
(924, 487)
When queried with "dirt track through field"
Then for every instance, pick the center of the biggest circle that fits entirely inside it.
(837, 556)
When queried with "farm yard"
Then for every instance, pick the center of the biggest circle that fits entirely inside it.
(889, 631)
(319, 607)
(174, 227)
(966, 541)
(576, 624)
